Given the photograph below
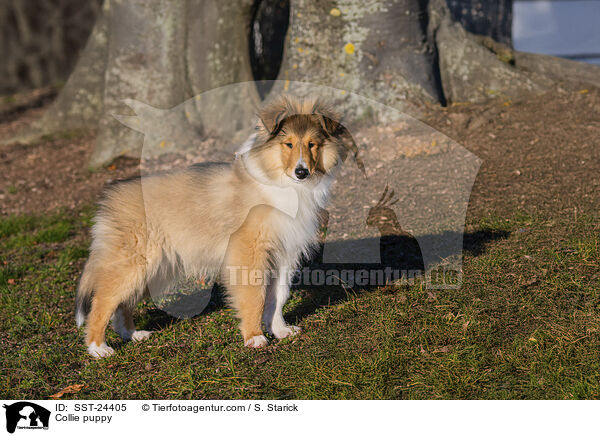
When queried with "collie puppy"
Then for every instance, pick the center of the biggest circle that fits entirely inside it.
(255, 217)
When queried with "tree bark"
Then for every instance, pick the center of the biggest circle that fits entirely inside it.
(144, 62)
(473, 73)
(155, 59)
(357, 46)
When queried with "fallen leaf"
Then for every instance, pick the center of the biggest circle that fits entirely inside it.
(68, 390)
(529, 282)
(11, 281)
(465, 326)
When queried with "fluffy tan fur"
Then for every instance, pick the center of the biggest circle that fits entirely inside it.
(217, 220)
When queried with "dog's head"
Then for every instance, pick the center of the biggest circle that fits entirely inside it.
(300, 140)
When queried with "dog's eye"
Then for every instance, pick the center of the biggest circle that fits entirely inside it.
(311, 144)
(289, 144)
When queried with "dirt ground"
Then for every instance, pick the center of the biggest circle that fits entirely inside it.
(539, 155)
(52, 174)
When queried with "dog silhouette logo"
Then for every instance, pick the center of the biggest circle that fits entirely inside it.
(26, 415)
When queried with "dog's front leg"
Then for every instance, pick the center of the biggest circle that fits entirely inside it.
(278, 293)
(245, 274)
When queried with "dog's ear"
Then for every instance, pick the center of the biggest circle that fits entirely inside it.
(345, 138)
(327, 117)
(272, 116)
(333, 127)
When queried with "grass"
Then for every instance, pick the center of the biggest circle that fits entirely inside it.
(523, 325)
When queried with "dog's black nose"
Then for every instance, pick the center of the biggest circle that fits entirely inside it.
(301, 173)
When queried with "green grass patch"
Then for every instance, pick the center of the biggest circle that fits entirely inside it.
(27, 231)
(524, 324)
(16, 224)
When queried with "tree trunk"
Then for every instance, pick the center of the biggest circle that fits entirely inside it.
(359, 47)
(155, 59)
(159, 53)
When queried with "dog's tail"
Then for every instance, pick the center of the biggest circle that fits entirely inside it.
(83, 300)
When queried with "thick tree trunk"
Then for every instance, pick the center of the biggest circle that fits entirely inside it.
(472, 72)
(144, 62)
(160, 53)
(163, 53)
(379, 48)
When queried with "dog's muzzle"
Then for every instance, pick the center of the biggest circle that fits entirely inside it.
(301, 173)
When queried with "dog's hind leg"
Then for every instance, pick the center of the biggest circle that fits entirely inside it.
(123, 324)
(103, 308)
(114, 285)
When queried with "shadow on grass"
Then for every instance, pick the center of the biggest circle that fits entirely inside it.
(159, 319)
(397, 252)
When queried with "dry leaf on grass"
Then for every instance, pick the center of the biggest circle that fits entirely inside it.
(68, 390)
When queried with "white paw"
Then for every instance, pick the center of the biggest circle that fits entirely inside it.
(140, 335)
(256, 341)
(99, 351)
(285, 331)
